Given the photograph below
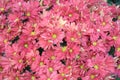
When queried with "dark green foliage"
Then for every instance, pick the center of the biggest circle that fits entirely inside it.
(64, 43)
(112, 51)
(25, 20)
(27, 68)
(15, 39)
(63, 61)
(116, 2)
(49, 8)
(40, 51)
(79, 78)
(114, 19)
(117, 78)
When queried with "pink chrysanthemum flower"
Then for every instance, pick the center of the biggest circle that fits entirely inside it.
(17, 5)
(72, 34)
(51, 55)
(12, 51)
(39, 65)
(15, 19)
(53, 35)
(4, 6)
(53, 66)
(69, 51)
(31, 31)
(31, 57)
(29, 76)
(64, 73)
(31, 9)
(18, 62)
(4, 38)
(16, 75)
(105, 23)
(70, 13)
(114, 37)
(92, 75)
(59, 40)
(117, 69)
(2, 22)
(49, 76)
(97, 45)
(102, 65)
(44, 43)
(26, 45)
(5, 63)
(117, 50)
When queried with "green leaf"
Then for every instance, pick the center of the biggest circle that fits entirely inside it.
(112, 51)
(117, 78)
(110, 2)
(116, 2)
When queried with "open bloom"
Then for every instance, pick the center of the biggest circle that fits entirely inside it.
(3, 6)
(69, 51)
(15, 19)
(31, 9)
(53, 35)
(102, 65)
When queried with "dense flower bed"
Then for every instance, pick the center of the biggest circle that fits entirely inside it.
(59, 40)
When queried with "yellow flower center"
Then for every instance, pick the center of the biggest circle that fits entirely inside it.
(1, 69)
(53, 57)
(5, 41)
(35, 24)
(70, 15)
(16, 20)
(9, 29)
(78, 56)
(92, 76)
(54, 36)
(14, 53)
(41, 63)
(79, 33)
(103, 23)
(49, 41)
(50, 69)
(62, 74)
(69, 67)
(114, 37)
(118, 67)
(72, 39)
(20, 61)
(28, 14)
(81, 66)
(27, 61)
(33, 78)
(64, 49)
(33, 58)
(26, 45)
(16, 78)
(70, 50)
(32, 33)
(96, 67)
(119, 17)
(118, 49)
(48, 79)
(94, 43)
(62, 22)
(2, 9)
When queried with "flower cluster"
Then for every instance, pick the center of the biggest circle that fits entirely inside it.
(59, 40)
